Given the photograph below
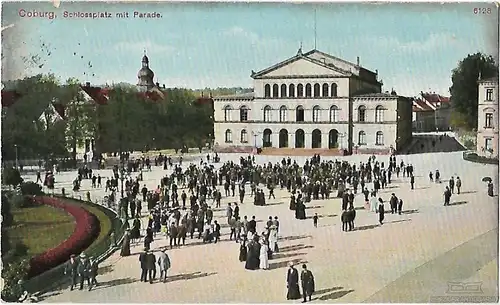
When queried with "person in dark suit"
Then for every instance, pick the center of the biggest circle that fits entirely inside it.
(252, 225)
(292, 283)
(216, 231)
(351, 215)
(343, 218)
(84, 270)
(307, 281)
(412, 182)
(71, 269)
(144, 269)
(151, 266)
(400, 206)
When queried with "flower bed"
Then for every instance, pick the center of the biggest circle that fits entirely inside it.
(86, 231)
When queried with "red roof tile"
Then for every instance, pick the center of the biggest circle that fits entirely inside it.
(421, 106)
(9, 97)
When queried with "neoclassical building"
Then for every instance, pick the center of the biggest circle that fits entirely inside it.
(316, 101)
(487, 117)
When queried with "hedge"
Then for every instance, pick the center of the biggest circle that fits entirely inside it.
(86, 231)
(473, 157)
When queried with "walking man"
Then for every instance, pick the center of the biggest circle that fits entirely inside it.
(164, 263)
(307, 281)
(458, 184)
(72, 269)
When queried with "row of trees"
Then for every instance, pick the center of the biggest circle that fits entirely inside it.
(31, 129)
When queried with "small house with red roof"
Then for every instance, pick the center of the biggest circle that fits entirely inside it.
(431, 112)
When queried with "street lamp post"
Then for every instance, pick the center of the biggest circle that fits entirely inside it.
(17, 158)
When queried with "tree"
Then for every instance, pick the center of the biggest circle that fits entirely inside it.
(464, 89)
(80, 116)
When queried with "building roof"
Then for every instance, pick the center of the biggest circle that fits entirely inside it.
(241, 96)
(489, 80)
(421, 106)
(328, 62)
(101, 95)
(379, 95)
(434, 98)
(9, 97)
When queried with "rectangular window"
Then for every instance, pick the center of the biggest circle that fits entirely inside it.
(488, 122)
(488, 144)
(489, 94)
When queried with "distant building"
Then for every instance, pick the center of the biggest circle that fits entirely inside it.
(431, 112)
(314, 101)
(487, 117)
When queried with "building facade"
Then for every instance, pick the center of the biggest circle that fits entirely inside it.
(313, 101)
(487, 118)
(431, 112)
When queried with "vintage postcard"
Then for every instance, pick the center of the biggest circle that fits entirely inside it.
(249, 152)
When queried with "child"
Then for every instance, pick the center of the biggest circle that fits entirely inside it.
(315, 220)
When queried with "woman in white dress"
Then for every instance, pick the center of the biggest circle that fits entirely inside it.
(264, 260)
(373, 203)
(273, 239)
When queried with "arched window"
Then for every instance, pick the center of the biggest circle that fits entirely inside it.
(361, 113)
(300, 90)
(362, 138)
(334, 114)
(308, 90)
(244, 136)
(325, 90)
(379, 114)
(316, 113)
(229, 136)
(317, 92)
(291, 90)
(275, 90)
(267, 90)
(333, 92)
(283, 113)
(267, 113)
(243, 114)
(379, 140)
(299, 114)
(227, 113)
(283, 90)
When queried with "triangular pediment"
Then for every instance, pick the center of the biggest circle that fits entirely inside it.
(301, 66)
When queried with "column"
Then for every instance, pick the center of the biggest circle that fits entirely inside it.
(291, 139)
(324, 139)
(308, 140)
(275, 138)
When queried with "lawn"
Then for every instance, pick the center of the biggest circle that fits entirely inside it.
(40, 228)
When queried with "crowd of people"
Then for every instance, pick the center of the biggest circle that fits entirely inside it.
(183, 204)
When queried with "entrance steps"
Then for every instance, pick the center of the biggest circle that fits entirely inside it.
(273, 151)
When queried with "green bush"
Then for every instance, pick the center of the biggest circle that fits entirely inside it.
(12, 176)
(19, 201)
(12, 253)
(7, 217)
(469, 144)
(31, 188)
(13, 274)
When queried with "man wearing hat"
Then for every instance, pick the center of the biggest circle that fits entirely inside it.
(72, 269)
(144, 269)
(292, 283)
(84, 270)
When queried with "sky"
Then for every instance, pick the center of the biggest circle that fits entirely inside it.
(414, 47)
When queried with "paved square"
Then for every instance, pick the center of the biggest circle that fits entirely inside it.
(411, 258)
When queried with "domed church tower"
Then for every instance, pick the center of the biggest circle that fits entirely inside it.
(145, 75)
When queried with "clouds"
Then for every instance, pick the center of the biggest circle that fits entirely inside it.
(432, 43)
(139, 47)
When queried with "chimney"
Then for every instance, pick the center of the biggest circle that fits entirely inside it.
(157, 84)
(357, 60)
(87, 84)
(163, 86)
(201, 93)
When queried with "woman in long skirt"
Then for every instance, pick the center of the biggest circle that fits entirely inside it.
(243, 252)
(381, 211)
(264, 260)
(373, 203)
(125, 251)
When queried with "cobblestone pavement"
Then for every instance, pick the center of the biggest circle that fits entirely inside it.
(411, 258)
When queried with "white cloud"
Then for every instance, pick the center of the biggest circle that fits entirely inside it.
(150, 47)
(433, 42)
(253, 38)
